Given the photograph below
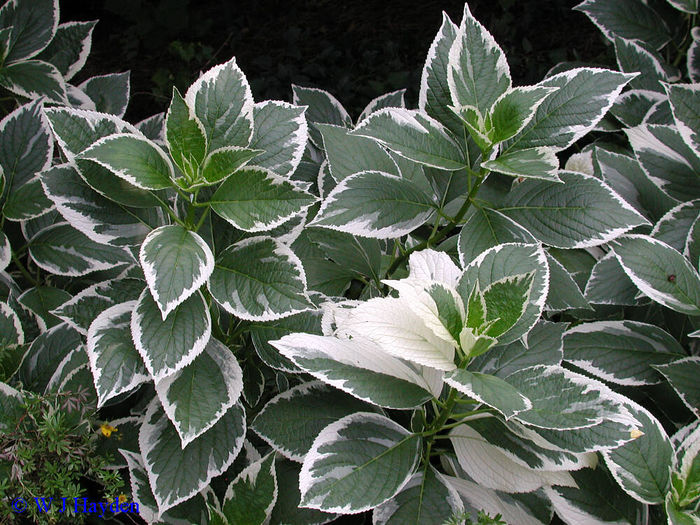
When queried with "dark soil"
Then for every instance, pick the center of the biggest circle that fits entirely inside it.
(356, 50)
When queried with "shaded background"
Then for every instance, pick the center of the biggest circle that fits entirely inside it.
(356, 50)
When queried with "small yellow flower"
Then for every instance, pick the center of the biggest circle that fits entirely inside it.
(122, 498)
(107, 429)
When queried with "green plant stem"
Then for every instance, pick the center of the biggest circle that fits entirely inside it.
(23, 270)
(439, 422)
(436, 237)
(201, 220)
(682, 49)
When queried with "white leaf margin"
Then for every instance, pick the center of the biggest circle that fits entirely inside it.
(93, 264)
(85, 47)
(5, 250)
(541, 301)
(690, 137)
(460, 47)
(275, 180)
(491, 467)
(296, 391)
(491, 501)
(344, 115)
(409, 118)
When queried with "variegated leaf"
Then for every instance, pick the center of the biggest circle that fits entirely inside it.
(197, 396)
(489, 390)
(434, 97)
(115, 363)
(284, 423)
(394, 99)
(491, 467)
(682, 375)
(508, 261)
(660, 272)
(426, 499)
(259, 279)
(100, 219)
(34, 25)
(582, 212)
(357, 463)
(621, 352)
(34, 79)
(357, 366)
(597, 499)
(685, 102)
(251, 497)
(110, 93)
(175, 474)
(322, 108)
(477, 71)
(626, 177)
(415, 136)
(642, 467)
(666, 159)
(535, 163)
(82, 309)
(185, 136)
(39, 361)
(40, 301)
(510, 506)
(485, 229)
(5, 251)
(170, 344)
(75, 131)
(348, 154)
(176, 262)
(375, 204)
(135, 159)
(62, 250)
(26, 148)
(627, 19)
(12, 331)
(633, 56)
(513, 110)
(222, 100)
(583, 98)
(563, 400)
(395, 327)
(281, 132)
(256, 199)
(527, 452)
(70, 47)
